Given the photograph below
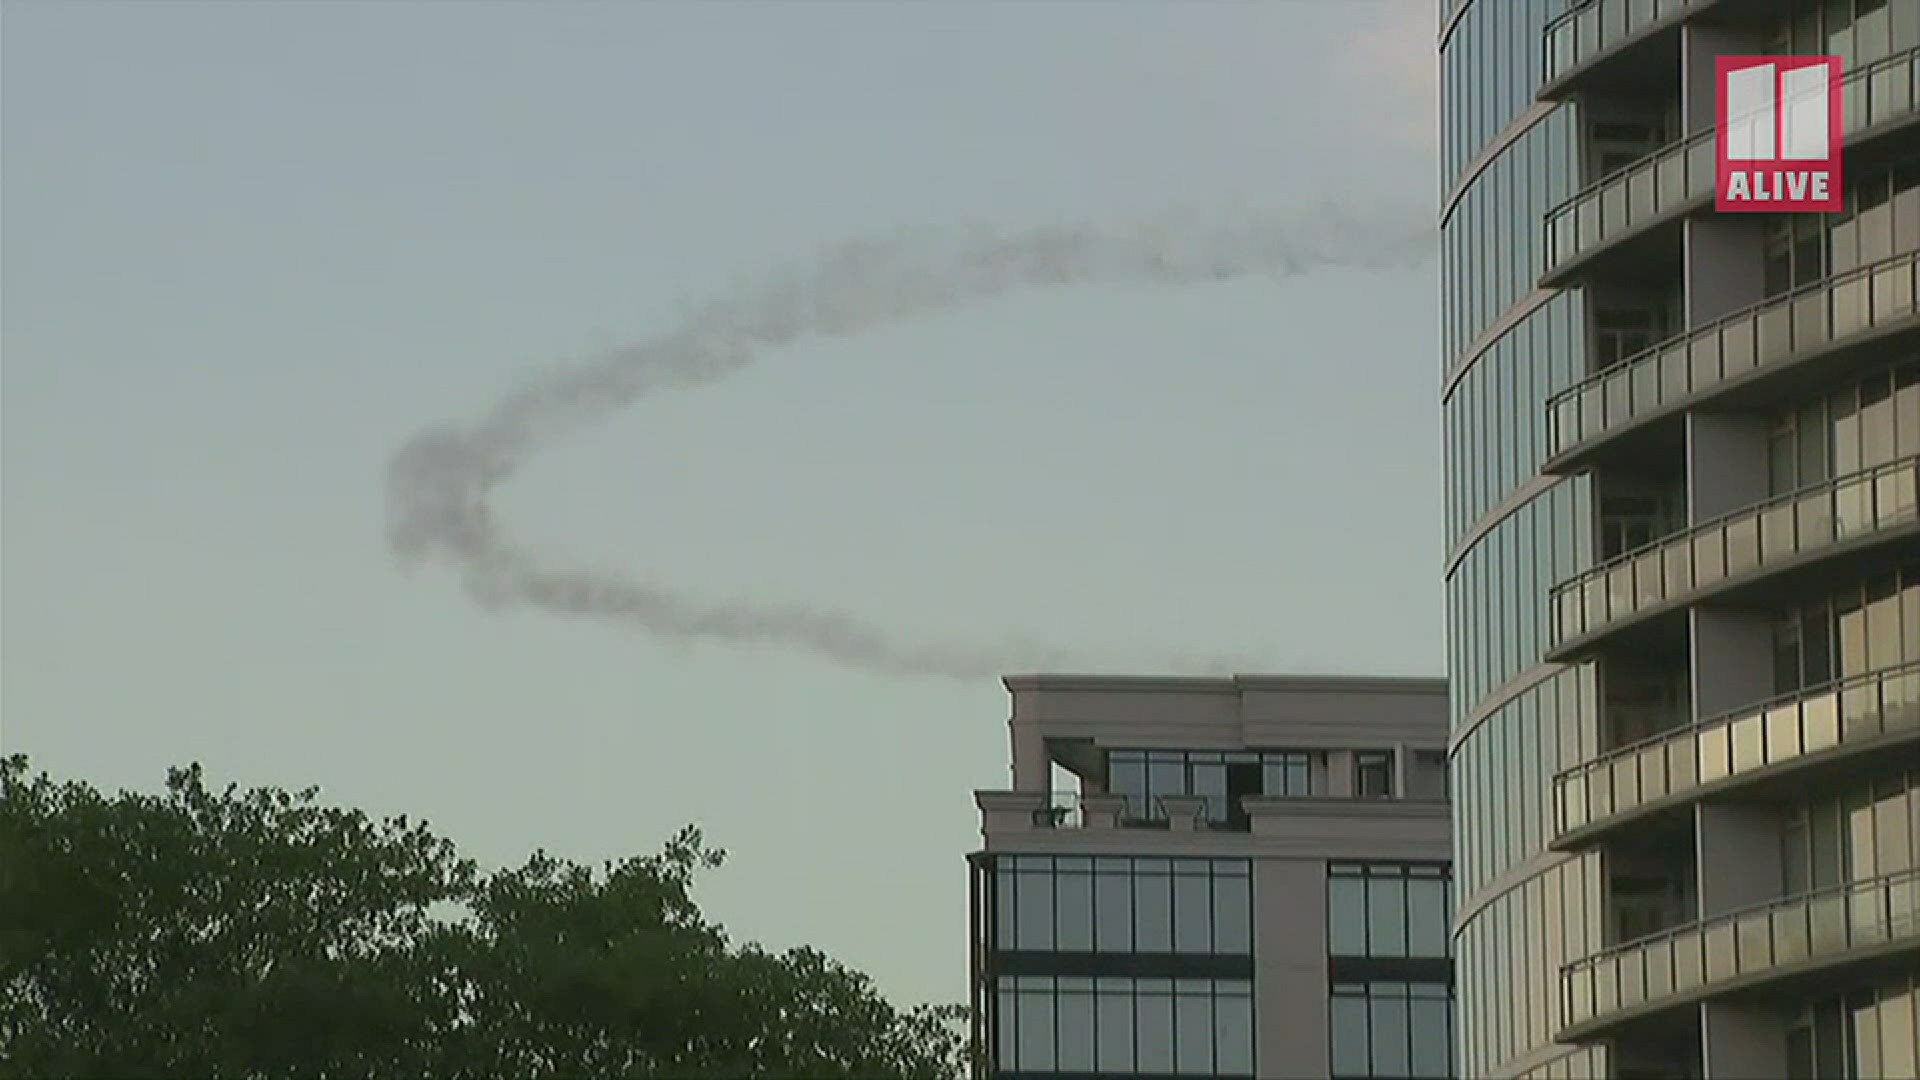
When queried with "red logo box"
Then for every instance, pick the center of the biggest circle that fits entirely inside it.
(1778, 143)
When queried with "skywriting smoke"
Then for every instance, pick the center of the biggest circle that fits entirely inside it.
(439, 483)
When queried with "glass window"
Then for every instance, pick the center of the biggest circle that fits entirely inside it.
(1114, 1014)
(1373, 774)
(1034, 915)
(1386, 915)
(1350, 1050)
(1232, 913)
(1210, 783)
(1392, 1029)
(1118, 905)
(1193, 1028)
(1127, 775)
(1233, 1033)
(1074, 925)
(1347, 914)
(1431, 1022)
(1113, 906)
(1192, 909)
(1427, 917)
(1153, 911)
(1285, 774)
(1388, 909)
(1004, 920)
(1075, 1032)
(1899, 1049)
(1866, 1036)
(1035, 1032)
(1391, 1037)
(1153, 1022)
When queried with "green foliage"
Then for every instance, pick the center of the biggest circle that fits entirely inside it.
(257, 934)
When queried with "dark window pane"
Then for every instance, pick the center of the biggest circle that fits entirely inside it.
(1003, 908)
(1427, 917)
(1373, 775)
(1115, 1013)
(1005, 1020)
(1166, 775)
(1430, 1038)
(1210, 783)
(1193, 1037)
(1387, 916)
(1035, 911)
(1233, 915)
(1391, 1046)
(1349, 1014)
(1113, 909)
(1076, 1047)
(1153, 1019)
(1036, 1031)
(1233, 1035)
(1074, 928)
(1347, 916)
(1243, 779)
(1800, 1054)
(1192, 913)
(1153, 913)
(1127, 775)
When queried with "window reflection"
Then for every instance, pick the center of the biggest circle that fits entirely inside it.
(1078, 904)
(1849, 632)
(1373, 774)
(1118, 1026)
(1389, 910)
(1867, 1033)
(1392, 1029)
(1222, 779)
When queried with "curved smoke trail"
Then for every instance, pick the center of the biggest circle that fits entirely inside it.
(439, 482)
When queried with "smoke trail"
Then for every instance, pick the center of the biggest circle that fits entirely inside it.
(439, 482)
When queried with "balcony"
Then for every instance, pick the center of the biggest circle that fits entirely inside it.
(1856, 511)
(1041, 811)
(1596, 30)
(1865, 713)
(1858, 921)
(1679, 179)
(1756, 343)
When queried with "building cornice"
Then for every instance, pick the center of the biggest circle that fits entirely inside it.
(1419, 685)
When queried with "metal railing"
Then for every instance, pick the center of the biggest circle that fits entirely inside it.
(1062, 811)
(1752, 538)
(1066, 810)
(1773, 332)
(1740, 741)
(1696, 958)
(1682, 174)
(1593, 28)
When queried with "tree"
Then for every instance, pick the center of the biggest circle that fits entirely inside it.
(259, 934)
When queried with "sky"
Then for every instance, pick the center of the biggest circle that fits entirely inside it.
(248, 251)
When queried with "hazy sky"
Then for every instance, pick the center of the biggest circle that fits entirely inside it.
(249, 250)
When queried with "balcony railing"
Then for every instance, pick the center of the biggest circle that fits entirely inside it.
(1768, 535)
(1704, 957)
(1592, 29)
(1771, 334)
(1719, 749)
(1681, 176)
(1074, 810)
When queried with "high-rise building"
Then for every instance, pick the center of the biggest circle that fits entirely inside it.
(1230, 877)
(1683, 576)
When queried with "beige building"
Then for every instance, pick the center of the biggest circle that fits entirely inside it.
(1233, 877)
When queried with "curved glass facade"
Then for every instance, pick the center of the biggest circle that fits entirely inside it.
(1537, 895)
(1507, 349)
